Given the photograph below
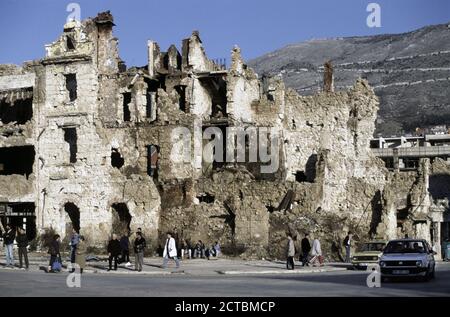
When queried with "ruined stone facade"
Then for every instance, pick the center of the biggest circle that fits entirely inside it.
(89, 144)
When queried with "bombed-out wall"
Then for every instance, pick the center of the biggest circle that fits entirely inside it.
(183, 144)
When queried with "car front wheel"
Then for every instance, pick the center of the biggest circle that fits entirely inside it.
(432, 274)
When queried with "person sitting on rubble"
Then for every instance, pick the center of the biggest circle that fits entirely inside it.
(185, 249)
(199, 250)
(210, 252)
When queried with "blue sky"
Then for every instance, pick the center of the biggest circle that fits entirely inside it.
(257, 26)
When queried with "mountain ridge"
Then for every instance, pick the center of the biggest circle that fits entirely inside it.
(410, 72)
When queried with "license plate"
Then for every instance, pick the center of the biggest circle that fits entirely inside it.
(400, 272)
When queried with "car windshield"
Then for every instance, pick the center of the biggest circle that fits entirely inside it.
(405, 247)
(372, 246)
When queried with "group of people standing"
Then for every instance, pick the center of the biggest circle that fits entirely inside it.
(20, 236)
(308, 254)
(78, 250)
(121, 248)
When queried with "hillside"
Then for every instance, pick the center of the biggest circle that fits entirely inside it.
(409, 72)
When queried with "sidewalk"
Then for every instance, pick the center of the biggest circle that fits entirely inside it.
(199, 267)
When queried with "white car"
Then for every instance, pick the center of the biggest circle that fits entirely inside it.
(407, 258)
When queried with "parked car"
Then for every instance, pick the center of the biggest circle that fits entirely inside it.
(407, 258)
(368, 253)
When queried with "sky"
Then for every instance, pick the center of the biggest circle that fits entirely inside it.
(256, 26)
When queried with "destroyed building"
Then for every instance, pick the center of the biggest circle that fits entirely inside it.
(86, 143)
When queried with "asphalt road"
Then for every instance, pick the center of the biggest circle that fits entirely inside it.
(342, 283)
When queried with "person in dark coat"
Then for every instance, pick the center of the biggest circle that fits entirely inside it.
(114, 251)
(53, 250)
(8, 240)
(306, 248)
(22, 244)
(139, 246)
(125, 247)
(199, 250)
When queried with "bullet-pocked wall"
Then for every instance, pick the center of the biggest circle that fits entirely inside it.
(108, 156)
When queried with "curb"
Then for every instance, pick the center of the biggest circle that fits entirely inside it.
(281, 272)
(134, 272)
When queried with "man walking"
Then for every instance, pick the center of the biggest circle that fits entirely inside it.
(8, 239)
(170, 251)
(290, 252)
(306, 248)
(347, 245)
(139, 246)
(22, 243)
(316, 253)
(113, 251)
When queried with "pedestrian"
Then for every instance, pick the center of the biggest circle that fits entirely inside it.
(114, 251)
(55, 256)
(316, 253)
(80, 256)
(170, 251)
(306, 248)
(125, 249)
(290, 252)
(8, 240)
(74, 240)
(139, 246)
(347, 245)
(22, 244)
(199, 249)
(217, 248)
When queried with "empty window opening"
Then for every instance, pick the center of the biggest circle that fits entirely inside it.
(20, 215)
(217, 89)
(218, 161)
(117, 160)
(270, 97)
(121, 219)
(181, 90)
(206, 198)
(148, 105)
(310, 168)
(300, 177)
(71, 86)
(17, 160)
(70, 136)
(20, 111)
(74, 215)
(126, 106)
(69, 42)
(152, 96)
(152, 160)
